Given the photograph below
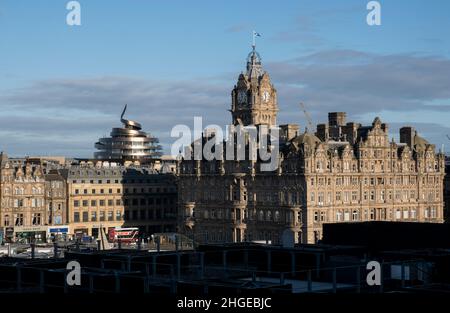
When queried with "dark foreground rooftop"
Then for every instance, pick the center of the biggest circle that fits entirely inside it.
(338, 265)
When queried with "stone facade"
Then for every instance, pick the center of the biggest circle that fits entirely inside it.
(23, 212)
(345, 172)
(106, 196)
(56, 197)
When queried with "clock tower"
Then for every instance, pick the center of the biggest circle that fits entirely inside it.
(253, 98)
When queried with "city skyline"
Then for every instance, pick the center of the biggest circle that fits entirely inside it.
(171, 65)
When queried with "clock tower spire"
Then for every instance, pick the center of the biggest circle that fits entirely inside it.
(254, 98)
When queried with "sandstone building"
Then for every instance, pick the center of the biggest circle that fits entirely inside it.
(344, 172)
(105, 195)
(23, 213)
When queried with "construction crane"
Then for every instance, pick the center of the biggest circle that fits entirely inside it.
(307, 116)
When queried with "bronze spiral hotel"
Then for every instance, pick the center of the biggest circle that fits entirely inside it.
(128, 143)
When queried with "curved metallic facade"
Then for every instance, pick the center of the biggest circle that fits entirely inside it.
(128, 143)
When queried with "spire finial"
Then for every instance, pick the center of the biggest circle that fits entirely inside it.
(123, 112)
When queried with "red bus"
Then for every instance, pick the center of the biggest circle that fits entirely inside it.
(125, 235)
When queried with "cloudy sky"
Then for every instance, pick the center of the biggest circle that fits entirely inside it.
(62, 87)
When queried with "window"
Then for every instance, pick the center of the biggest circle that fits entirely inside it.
(102, 216)
(277, 216)
(338, 216)
(261, 215)
(102, 202)
(405, 214)
(93, 202)
(18, 219)
(320, 198)
(36, 219)
(433, 213)
(110, 202)
(269, 216)
(316, 216)
(76, 217)
(110, 215)
(118, 215)
(76, 203)
(346, 196)
(355, 215)
(346, 216)
(93, 216)
(85, 216)
(85, 203)
(118, 202)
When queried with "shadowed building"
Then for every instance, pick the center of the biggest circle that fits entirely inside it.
(56, 202)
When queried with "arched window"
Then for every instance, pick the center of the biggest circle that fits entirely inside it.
(277, 216)
(269, 216)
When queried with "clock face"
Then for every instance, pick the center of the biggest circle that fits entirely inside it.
(242, 97)
(266, 96)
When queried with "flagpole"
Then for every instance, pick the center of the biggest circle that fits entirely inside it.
(254, 41)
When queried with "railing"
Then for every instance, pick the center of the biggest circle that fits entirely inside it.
(126, 275)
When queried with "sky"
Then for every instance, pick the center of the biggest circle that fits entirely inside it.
(62, 87)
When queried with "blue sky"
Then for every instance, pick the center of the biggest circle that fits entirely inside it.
(62, 87)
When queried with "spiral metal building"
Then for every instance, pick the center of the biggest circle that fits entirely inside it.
(128, 143)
